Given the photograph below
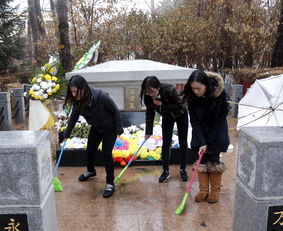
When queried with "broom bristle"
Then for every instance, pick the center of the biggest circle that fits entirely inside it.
(181, 207)
(57, 184)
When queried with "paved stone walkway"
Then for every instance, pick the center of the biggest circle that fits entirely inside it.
(141, 203)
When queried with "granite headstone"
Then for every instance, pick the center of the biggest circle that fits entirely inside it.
(26, 178)
(259, 184)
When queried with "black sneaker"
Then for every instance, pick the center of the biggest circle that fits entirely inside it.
(183, 174)
(164, 176)
(86, 175)
(109, 190)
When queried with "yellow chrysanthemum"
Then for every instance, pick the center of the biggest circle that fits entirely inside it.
(158, 150)
(54, 78)
(143, 155)
(62, 128)
(34, 80)
(156, 156)
(47, 65)
(48, 77)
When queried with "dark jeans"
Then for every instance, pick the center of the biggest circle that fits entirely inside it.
(212, 157)
(108, 140)
(167, 132)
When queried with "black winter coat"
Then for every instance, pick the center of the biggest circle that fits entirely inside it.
(102, 114)
(172, 105)
(209, 123)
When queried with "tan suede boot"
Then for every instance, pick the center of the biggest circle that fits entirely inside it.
(215, 176)
(215, 183)
(203, 187)
(203, 183)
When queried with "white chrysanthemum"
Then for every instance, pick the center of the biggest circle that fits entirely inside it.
(36, 93)
(45, 96)
(44, 85)
(41, 91)
(36, 87)
(49, 90)
(43, 69)
(53, 84)
(39, 80)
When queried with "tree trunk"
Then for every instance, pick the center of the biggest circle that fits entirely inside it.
(226, 39)
(63, 26)
(53, 10)
(73, 24)
(39, 19)
(37, 29)
(277, 55)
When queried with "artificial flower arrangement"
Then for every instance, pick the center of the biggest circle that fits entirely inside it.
(125, 146)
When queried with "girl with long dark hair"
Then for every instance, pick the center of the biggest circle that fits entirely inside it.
(165, 100)
(208, 108)
(102, 114)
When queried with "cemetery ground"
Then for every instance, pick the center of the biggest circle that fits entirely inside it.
(140, 202)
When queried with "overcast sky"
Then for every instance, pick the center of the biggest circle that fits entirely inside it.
(141, 4)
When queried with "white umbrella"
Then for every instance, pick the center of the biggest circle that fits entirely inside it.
(263, 103)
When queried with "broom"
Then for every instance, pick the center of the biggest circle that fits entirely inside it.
(116, 180)
(56, 182)
(181, 207)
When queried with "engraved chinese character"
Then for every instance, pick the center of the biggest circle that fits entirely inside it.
(278, 220)
(12, 226)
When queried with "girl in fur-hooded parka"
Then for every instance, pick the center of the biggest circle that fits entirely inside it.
(207, 104)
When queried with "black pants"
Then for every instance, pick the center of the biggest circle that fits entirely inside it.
(108, 140)
(167, 132)
(212, 157)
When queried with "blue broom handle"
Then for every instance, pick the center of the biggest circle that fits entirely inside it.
(60, 156)
(136, 153)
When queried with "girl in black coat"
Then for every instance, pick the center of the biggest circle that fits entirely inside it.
(207, 104)
(166, 100)
(102, 114)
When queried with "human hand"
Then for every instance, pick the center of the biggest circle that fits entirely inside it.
(146, 137)
(120, 131)
(66, 134)
(202, 149)
(157, 102)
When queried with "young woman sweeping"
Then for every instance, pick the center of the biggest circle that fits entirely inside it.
(102, 114)
(207, 104)
(166, 100)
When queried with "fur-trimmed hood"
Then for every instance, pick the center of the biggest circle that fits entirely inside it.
(219, 80)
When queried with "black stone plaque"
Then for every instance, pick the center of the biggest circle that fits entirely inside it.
(13, 222)
(275, 218)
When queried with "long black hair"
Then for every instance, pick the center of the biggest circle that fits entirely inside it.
(200, 77)
(148, 82)
(83, 89)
